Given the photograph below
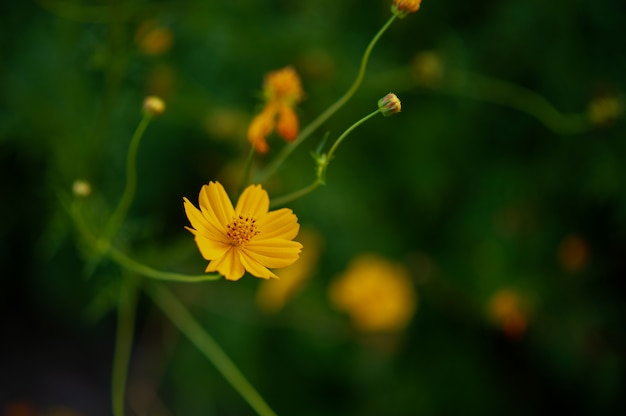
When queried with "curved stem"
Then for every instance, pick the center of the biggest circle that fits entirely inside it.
(106, 249)
(348, 131)
(273, 166)
(519, 98)
(147, 271)
(185, 322)
(123, 344)
(276, 202)
(131, 181)
(322, 161)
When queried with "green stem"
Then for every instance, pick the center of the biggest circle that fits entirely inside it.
(519, 98)
(131, 181)
(323, 161)
(123, 344)
(106, 249)
(285, 199)
(348, 131)
(140, 268)
(185, 322)
(273, 166)
(245, 179)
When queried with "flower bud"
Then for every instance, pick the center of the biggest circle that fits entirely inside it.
(389, 104)
(153, 105)
(403, 7)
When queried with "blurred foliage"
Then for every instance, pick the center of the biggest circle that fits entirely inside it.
(514, 233)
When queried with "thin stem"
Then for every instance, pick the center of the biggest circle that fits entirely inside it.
(147, 271)
(273, 166)
(348, 131)
(285, 199)
(123, 344)
(185, 322)
(322, 161)
(245, 179)
(131, 181)
(108, 250)
(522, 99)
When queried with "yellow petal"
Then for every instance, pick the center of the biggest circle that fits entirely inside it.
(254, 268)
(216, 206)
(281, 223)
(273, 253)
(198, 222)
(229, 265)
(210, 248)
(253, 202)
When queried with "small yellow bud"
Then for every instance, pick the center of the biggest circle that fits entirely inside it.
(401, 8)
(81, 188)
(153, 105)
(389, 104)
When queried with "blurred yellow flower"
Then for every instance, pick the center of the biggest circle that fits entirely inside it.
(245, 238)
(273, 295)
(153, 39)
(428, 68)
(376, 293)
(508, 310)
(282, 90)
(604, 110)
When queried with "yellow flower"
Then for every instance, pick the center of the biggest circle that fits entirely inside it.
(282, 90)
(376, 293)
(403, 7)
(245, 238)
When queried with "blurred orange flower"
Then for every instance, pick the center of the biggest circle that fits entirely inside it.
(508, 310)
(376, 293)
(247, 237)
(282, 90)
(153, 39)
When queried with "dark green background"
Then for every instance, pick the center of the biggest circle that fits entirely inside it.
(425, 187)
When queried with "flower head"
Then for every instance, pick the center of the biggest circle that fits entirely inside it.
(376, 293)
(389, 104)
(282, 90)
(403, 7)
(247, 237)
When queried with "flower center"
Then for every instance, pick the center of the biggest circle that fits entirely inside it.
(241, 230)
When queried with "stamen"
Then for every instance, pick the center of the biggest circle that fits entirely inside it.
(241, 230)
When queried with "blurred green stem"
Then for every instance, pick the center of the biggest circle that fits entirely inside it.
(273, 166)
(245, 179)
(107, 250)
(322, 161)
(185, 322)
(517, 97)
(127, 304)
(120, 212)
